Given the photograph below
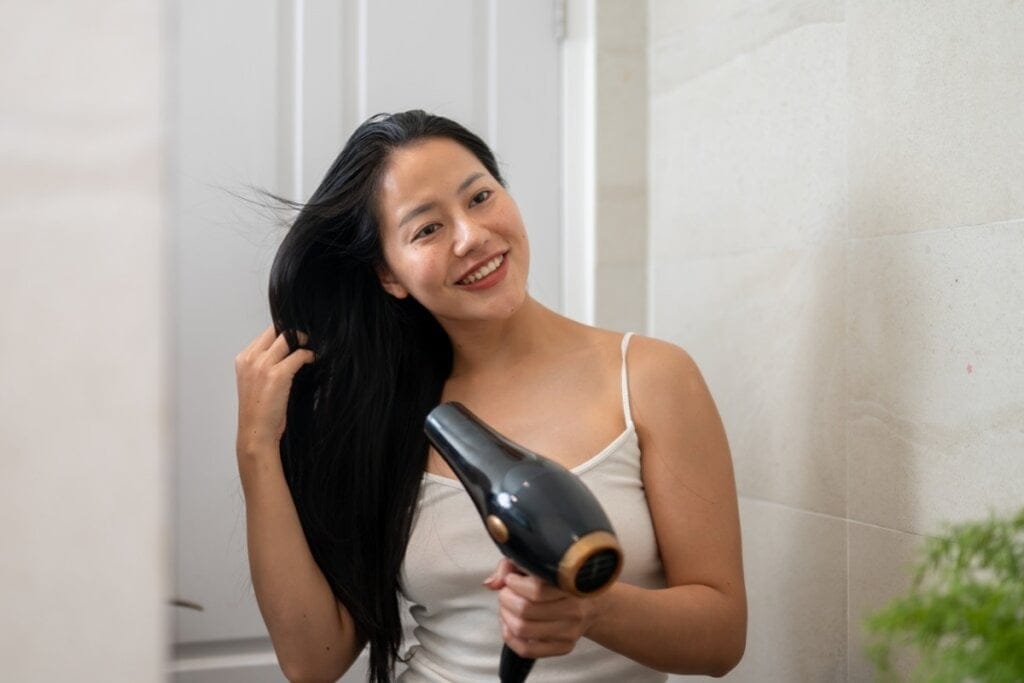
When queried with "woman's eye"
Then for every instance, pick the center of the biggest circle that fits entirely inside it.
(427, 230)
(481, 196)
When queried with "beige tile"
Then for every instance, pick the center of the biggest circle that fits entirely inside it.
(795, 565)
(879, 566)
(935, 426)
(621, 118)
(621, 226)
(766, 328)
(620, 297)
(622, 24)
(689, 37)
(753, 154)
(936, 115)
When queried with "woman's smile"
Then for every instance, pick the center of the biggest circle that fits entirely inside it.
(489, 274)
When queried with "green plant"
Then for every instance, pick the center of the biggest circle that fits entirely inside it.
(964, 614)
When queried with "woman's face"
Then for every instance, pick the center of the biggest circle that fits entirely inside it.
(452, 236)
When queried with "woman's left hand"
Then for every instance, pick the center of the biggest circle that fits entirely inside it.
(538, 619)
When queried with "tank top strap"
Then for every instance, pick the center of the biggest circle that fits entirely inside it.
(625, 382)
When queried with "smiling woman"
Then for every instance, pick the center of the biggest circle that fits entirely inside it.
(402, 284)
(465, 234)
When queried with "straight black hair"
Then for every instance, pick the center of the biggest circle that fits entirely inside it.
(354, 450)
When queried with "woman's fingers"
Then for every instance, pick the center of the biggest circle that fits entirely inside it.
(537, 619)
(260, 343)
(505, 567)
(532, 588)
(265, 370)
(296, 360)
(536, 647)
(279, 350)
(555, 609)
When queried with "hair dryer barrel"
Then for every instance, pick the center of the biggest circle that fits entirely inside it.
(538, 513)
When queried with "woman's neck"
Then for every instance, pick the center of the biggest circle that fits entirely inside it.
(484, 347)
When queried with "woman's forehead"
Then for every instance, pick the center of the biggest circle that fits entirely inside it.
(431, 162)
(428, 170)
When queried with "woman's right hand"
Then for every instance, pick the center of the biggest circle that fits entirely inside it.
(264, 370)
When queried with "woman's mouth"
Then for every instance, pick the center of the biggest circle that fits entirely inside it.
(485, 275)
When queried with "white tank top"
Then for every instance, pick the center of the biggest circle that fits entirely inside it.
(454, 628)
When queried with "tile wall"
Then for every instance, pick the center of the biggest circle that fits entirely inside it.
(620, 276)
(836, 234)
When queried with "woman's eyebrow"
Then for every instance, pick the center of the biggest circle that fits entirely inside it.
(468, 181)
(422, 208)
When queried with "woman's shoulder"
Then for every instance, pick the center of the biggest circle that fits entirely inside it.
(660, 370)
(652, 354)
(646, 356)
(654, 365)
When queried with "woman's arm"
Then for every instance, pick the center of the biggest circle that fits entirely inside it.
(697, 624)
(313, 635)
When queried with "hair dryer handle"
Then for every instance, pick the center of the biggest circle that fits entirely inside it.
(513, 668)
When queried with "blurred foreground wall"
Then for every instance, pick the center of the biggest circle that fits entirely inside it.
(83, 395)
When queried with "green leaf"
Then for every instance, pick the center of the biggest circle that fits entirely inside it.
(964, 612)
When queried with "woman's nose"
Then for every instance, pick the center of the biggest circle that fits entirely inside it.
(469, 236)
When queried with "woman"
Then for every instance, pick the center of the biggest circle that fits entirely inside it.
(402, 284)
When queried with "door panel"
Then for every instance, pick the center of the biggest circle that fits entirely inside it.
(265, 94)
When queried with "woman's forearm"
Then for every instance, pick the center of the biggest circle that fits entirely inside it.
(313, 636)
(691, 629)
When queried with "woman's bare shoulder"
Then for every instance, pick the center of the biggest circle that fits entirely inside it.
(660, 372)
(650, 358)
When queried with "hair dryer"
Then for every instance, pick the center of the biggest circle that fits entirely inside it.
(540, 515)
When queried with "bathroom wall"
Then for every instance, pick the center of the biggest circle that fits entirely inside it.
(84, 395)
(620, 164)
(837, 236)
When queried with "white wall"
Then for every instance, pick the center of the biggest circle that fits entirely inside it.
(83, 343)
(837, 233)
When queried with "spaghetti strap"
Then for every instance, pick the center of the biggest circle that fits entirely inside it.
(626, 412)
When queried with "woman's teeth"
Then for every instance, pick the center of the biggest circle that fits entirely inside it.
(483, 272)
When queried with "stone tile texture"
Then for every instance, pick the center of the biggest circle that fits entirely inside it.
(936, 111)
(766, 328)
(837, 237)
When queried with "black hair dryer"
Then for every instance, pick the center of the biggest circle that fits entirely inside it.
(540, 515)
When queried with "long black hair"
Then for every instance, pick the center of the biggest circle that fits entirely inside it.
(354, 450)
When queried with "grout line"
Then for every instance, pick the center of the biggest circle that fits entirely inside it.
(773, 503)
(779, 247)
(658, 49)
(765, 501)
(672, 41)
(837, 242)
(846, 605)
(880, 527)
(846, 393)
(949, 228)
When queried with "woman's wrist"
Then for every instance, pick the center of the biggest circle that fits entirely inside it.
(601, 607)
(258, 460)
(256, 446)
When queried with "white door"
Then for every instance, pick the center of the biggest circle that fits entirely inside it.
(265, 94)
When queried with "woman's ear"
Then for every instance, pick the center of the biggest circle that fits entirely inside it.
(389, 283)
